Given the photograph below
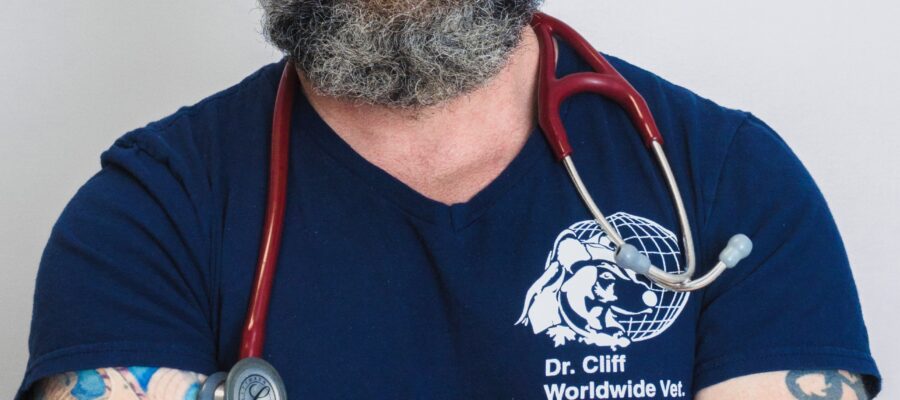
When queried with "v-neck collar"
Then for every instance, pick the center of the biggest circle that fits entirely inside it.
(456, 216)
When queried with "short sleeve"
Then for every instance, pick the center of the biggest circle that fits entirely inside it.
(792, 304)
(124, 279)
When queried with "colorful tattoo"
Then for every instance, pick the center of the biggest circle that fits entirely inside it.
(121, 383)
(824, 385)
(89, 385)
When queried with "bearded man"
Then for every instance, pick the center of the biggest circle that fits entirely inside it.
(423, 205)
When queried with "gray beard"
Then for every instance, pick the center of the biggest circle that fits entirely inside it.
(405, 54)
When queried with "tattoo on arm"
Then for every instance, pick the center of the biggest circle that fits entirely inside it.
(824, 385)
(121, 383)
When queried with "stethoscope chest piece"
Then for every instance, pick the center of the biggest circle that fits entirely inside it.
(254, 379)
(250, 378)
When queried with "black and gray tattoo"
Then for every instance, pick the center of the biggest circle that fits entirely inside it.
(824, 385)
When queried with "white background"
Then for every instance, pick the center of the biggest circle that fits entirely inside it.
(76, 75)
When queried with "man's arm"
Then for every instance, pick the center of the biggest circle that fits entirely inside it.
(789, 385)
(121, 383)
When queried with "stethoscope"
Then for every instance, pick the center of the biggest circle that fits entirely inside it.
(254, 378)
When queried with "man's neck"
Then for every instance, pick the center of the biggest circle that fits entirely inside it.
(452, 151)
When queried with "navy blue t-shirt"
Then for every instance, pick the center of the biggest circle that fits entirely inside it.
(384, 293)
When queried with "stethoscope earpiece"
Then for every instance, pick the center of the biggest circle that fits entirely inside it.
(738, 248)
(251, 378)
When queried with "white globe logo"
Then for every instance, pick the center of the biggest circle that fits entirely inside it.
(584, 295)
(661, 246)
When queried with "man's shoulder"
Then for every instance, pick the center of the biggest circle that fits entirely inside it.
(214, 128)
(240, 96)
(672, 103)
(690, 124)
(698, 132)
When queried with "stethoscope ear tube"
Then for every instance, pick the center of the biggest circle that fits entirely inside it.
(606, 81)
(252, 377)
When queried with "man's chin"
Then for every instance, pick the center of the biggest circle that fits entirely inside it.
(433, 53)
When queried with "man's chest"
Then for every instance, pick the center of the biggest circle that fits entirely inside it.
(514, 294)
(517, 308)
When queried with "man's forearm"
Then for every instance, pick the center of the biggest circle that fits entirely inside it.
(121, 383)
(790, 385)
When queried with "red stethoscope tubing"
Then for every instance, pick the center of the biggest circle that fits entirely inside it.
(552, 91)
(255, 325)
(605, 81)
